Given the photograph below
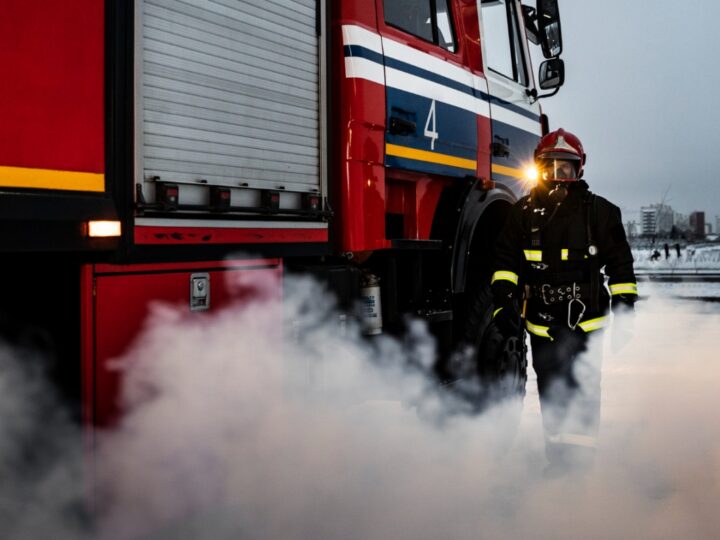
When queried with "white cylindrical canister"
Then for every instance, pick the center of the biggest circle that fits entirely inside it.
(371, 307)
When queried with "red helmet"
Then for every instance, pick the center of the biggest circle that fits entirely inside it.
(555, 152)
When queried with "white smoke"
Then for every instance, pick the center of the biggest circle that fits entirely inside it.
(230, 432)
(41, 478)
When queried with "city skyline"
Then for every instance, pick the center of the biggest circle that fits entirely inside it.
(660, 218)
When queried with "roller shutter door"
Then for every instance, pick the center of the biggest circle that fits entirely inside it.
(228, 93)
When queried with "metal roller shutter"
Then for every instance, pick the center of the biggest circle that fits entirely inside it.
(228, 93)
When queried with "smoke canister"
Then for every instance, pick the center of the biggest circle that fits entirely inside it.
(371, 308)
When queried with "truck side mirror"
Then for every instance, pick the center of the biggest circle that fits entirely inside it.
(548, 22)
(552, 74)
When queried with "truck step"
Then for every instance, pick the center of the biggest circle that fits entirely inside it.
(417, 244)
(432, 315)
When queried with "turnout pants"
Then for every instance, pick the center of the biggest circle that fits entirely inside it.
(568, 377)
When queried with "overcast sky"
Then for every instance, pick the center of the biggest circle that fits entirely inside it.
(642, 92)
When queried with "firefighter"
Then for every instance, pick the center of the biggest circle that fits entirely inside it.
(548, 261)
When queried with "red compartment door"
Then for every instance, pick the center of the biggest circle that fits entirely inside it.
(118, 300)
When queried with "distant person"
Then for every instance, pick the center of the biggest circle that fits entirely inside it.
(677, 250)
(655, 255)
(667, 250)
(554, 242)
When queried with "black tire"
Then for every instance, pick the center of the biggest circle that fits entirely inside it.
(497, 363)
(502, 363)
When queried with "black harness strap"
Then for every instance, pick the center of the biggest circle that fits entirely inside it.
(535, 228)
(592, 251)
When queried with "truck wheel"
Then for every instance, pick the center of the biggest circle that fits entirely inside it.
(500, 363)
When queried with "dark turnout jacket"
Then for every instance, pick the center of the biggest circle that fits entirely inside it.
(557, 253)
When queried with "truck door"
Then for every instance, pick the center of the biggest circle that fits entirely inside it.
(515, 118)
(431, 98)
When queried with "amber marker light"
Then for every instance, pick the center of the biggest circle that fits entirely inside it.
(103, 229)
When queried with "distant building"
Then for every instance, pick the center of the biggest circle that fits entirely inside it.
(656, 219)
(648, 217)
(697, 224)
(681, 221)
(631, 229)
(665, 219)
(717, 224)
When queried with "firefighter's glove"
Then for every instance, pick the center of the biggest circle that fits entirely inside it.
(623, 329)
(507, 319)
(503, 292)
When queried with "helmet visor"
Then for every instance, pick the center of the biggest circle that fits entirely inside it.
(560, 170)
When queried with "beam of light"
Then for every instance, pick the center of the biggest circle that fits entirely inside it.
(531, 175)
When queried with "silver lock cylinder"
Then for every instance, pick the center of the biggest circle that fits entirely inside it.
(199, 291)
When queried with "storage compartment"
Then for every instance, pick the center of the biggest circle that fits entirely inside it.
(229, 94)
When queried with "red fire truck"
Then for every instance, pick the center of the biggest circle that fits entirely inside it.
(144, 144)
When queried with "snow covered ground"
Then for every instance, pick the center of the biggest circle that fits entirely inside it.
(679, 290)
(694, 258)
(695, 263)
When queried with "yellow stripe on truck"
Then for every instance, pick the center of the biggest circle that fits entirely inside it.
(429, 157)
(22, 177)
(509, 171)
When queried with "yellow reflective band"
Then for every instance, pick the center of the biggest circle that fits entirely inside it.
(498, 310)
(22, 177)
(623, 288)
(505, 275)
(564, 253)
(430, 157)
(509, 171)
(594, 324)
(533, 255)
(538, 330)
(574, 439)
